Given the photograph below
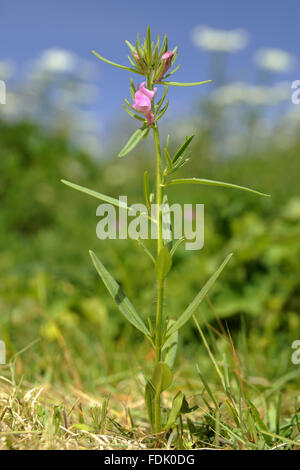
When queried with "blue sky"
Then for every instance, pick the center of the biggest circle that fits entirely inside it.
(28, 27)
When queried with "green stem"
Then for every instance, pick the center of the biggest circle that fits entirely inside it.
(160, 286)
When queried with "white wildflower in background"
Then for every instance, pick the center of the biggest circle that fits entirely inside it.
(212, 39)
(245, 93)
(6, 69)
(57, 87)
(57, 60)
(274, 60)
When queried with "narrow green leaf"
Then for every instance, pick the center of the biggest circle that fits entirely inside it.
(175, 410)
(123, 303)
(163, 263)
(131, 47)
(139, 50)
(158, 73)
(164, 46)
(162, 111)
(132, 114)
(131, 61)
(149, 401)
(146, 190)
(132, 89)
(184, 84)
(213, 183)
(149, 46)
(198, 299)
(168, 159)
(140, 243)
(170, 347)
(133, 141)
(183, 147)
(115, 64)
(176, 245)
(173, 71)
(160, 102)
(162, 377)
(103, 197)
(97, 195)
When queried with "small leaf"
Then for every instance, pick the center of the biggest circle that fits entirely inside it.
(184, 84)
(173, 71)
(175, 410)
(213, 183)
(149, 46)
(186, 408)
(168, 159)
(133, 141)
(183, 148)
(123, 303)
(162, 111)
(162, 377)
(132, 114)
(176, 245)
(103, 197)
(139, 241)
(160, 102)
(163, 263)
(198, 299)
(170, 347)
(146, 190)
(114, 63)
(131, 47)
(139, 50)
(149, 401)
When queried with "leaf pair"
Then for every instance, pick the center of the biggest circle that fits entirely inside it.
(179, 159)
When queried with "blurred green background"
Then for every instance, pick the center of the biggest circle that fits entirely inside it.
(49, 291)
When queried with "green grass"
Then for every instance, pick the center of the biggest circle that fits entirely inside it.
(226, 408)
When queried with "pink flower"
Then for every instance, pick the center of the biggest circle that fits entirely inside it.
(167, 60)
(143, 102)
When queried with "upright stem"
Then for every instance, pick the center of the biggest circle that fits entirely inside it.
(160, 285)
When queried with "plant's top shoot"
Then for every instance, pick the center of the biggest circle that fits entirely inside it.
(152, 61)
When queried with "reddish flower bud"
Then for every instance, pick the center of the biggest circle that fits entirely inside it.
(167, 60)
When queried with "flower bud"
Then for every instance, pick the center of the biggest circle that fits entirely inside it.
(167, 60)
